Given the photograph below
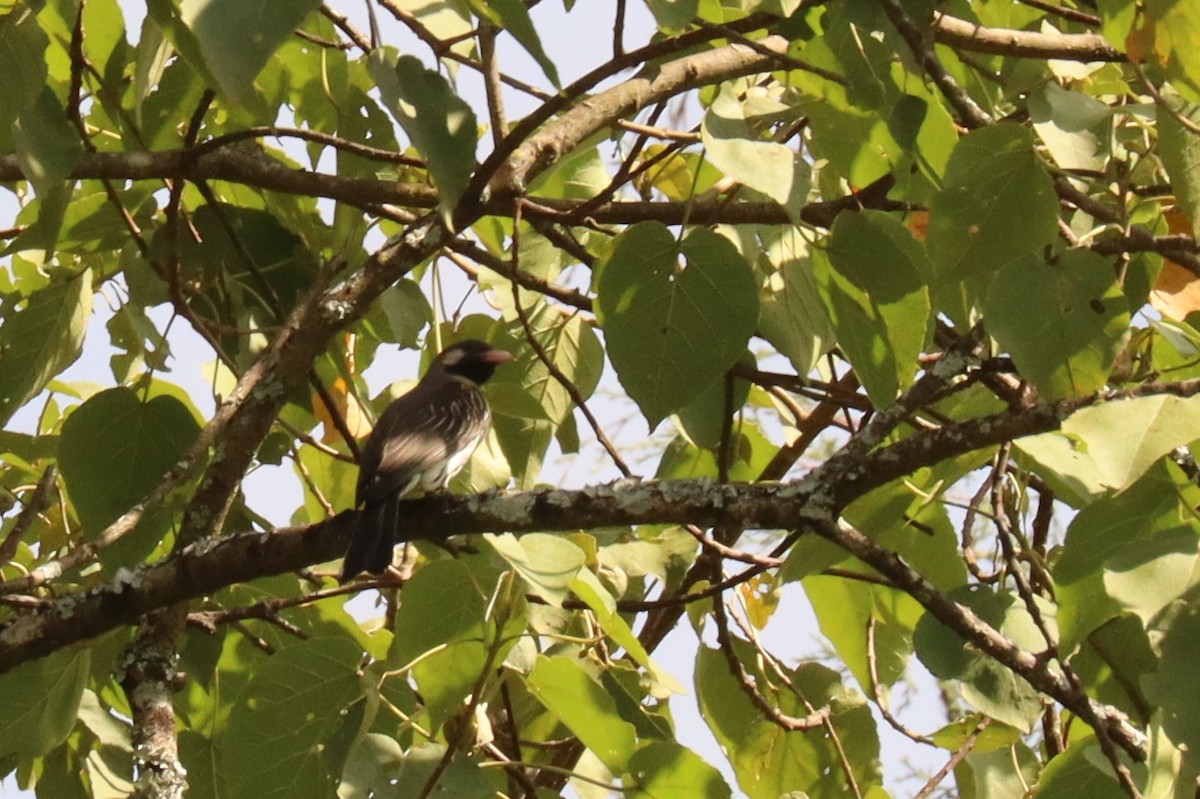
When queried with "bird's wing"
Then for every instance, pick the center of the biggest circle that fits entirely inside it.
(417, 433)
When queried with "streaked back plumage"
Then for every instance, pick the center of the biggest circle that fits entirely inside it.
(422, 440)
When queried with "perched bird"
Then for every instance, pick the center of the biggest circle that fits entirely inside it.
(422, 440)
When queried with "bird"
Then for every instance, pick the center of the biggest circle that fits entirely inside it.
(422, 440)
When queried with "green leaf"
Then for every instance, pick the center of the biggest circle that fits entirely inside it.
(41, 339)
(1069, 123)
(1114, 661)
(1143, 542)
(574, 349)
(732, 143)
(997, 203)
(237, 37)
(40, 700)
(873, 280)
(587, 587)
(22, 63)
(655, 313)
(245, 262)
(447, 676)
(524, 442)
(1063, 323)
(704, 417)
(47, 145)
(794, 320)
(513, 17)
(63, 777)
(844, 608)
(578, 175)
(673, 15)
(910, 525)
(547, 563)
(663, 552)
(1110, 445)
(115, 449)
(369, 764)
(1174, 687)
(442, 604)
(955, 734)
(751, 451)
(280, 726)
(1126, 522)
(1081, 772)
(461, 778)
(770, 761)
(407, 311)
(666, 770)
(153, 52)
(985, 684)
(999, 774)
(1176, 43)
(100, 722)
(568, 692)
(1179, 149)
(440, 125)
(1083, 606)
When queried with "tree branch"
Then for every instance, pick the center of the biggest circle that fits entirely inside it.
(251, 166)
(955, 32)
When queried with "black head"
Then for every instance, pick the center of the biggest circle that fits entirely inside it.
(472, 359)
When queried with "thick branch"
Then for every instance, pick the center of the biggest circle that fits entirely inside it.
(252, 167)
(202, 569)
(548, 145)
(965, 35)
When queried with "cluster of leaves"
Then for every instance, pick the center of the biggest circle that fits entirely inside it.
(914, 295)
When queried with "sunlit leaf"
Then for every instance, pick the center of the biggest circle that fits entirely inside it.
(41, 699)
(666, 770)
(1112, 444)
(736, 149)
(236, 37)
(570, 693)
(439, 123)
(41, 339)
(547, 563)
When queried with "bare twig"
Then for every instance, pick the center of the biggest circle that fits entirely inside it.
(816, 718)
(971, 114)
(568, 385)
(956, 32)
(967, 745)
(33, 504)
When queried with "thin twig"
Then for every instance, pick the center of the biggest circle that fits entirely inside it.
(568, 385)
(32, 506)
(1074, 15)
(971, 114)
(814, 719)
(280, 132)
(955, 759)
(877, 691)
(491, 83)
(525, 280)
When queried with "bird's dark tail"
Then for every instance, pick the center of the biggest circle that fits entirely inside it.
(374, 538)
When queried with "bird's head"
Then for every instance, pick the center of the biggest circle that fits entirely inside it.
(471, 359)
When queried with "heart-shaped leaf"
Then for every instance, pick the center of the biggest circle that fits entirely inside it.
(676, 315)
